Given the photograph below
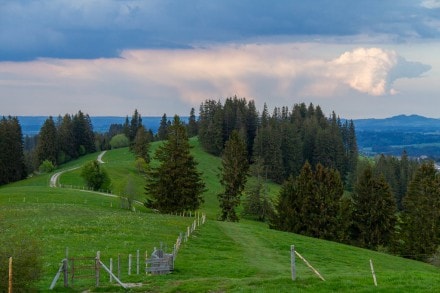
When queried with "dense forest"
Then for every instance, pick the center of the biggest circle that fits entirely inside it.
(284, 140)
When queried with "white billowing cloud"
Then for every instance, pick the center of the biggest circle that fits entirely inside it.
(158, 79)
(365, 70)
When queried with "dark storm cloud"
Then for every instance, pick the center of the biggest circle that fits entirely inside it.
(92, 29)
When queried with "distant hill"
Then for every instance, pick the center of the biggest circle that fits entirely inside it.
(405, 123)
(417, 135)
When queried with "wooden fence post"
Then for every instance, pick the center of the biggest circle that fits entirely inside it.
(97, 265)
(129, 264)
(373, 273)
(10, 276)
(146, 262)
(137, 262)
(292, 261)
(111, 269)
(119, 266)
(66, 272)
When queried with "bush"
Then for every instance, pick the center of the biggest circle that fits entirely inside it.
(95, 176)
(119, 141)
(46, 167)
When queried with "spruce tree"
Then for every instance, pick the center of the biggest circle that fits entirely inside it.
(174, 185)
(141, 144)
(233, 176)
(162, 132)
(374, 211)
(421, 214)
(47, 147)
(192, 124)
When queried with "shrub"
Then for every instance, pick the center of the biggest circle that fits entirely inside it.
(46, 167)
(119, 141)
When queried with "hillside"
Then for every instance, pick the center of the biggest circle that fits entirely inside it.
(219, 257)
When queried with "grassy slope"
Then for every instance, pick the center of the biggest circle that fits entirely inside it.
(231, 257)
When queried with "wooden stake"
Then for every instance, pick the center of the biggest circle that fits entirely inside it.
(111, 270)
(309, 265)
(129, 264)
(137, 262)
(292, 262)
(10, 276)
(373, 273)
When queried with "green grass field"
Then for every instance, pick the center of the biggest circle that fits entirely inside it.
(219, 256)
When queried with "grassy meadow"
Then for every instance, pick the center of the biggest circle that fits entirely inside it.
(219, 256)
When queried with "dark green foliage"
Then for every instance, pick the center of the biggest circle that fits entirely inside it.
(217, 121)
(95, 176)
(257, 204)
(192, 127)
(398, 173)
(233, 176)
(162, 132)
(135, 124)
(27, 265)
(12, 160)
(310, 203)
(47, 147)
(374, 211)
(67, 147)
(174, 185)
(421, 214)
(82, 129)
(211, 127)
(141, 144)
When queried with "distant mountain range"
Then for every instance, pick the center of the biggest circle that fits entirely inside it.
(417, 135)
(405, 123)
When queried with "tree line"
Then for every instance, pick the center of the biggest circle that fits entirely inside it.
(285, 140)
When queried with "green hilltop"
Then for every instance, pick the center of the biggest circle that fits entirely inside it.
(218, 257)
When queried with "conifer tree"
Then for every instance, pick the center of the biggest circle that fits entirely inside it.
(174, 185)
(233, 176)
(162, 132)
(421, 214)
(12, 162)
(141, 144)
(192, 124)
(47, 147)
(374, 211)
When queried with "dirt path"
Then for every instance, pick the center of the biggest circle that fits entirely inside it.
(55, 177)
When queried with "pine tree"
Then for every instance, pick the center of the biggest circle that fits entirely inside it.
(192, 124)
(233, 176)
(162, 132)
(421, 214)
(374, 211)
(12, 162)
(174, 185)
(141, 144)
(47, 147)
(257, 204)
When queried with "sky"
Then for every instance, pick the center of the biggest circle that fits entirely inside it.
(360, 59)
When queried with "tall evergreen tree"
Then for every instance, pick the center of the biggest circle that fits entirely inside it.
(141, 144)
(233, 176)
(192, 124)
(47, 147)
(162, 132)
(12, 161)
(421, 214)
(374, 211)
(174, 185)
